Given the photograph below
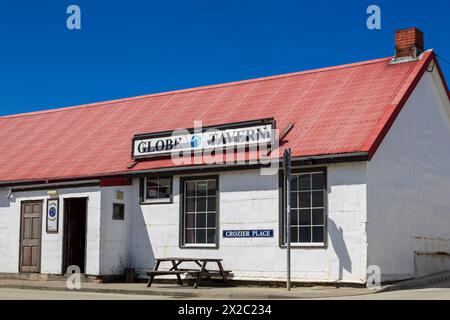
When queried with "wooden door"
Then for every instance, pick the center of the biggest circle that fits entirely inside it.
(30, 242)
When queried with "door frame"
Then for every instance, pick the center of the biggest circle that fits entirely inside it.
(64, 234)
(41, 202)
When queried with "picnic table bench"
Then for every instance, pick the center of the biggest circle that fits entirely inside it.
(196, 273)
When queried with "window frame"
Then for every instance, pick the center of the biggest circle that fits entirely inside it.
(182, 244)
(299, 170)
(157, 200)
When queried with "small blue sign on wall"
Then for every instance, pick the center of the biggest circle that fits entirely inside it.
(248, 233)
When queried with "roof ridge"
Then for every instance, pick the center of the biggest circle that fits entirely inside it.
(206, 87)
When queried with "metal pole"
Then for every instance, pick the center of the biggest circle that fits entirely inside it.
(287, 196)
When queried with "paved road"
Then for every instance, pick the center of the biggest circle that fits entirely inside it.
(437, 291)
(21, 294)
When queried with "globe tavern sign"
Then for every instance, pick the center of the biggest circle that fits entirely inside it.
(241, 134)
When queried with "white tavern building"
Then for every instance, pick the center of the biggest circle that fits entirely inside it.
(97, 185)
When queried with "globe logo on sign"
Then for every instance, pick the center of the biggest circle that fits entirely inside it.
(195, 141)
(52, 212)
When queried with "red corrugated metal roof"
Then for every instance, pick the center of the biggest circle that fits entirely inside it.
(335, 110)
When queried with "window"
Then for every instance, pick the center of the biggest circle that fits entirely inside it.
(158, 189)
(118, 211)
(308, 207)
(199, 212)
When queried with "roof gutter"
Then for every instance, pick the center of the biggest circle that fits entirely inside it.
(311, 160)
(59, 185)
(336, 158)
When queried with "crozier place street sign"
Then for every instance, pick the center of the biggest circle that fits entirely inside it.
(248, 233)
(198, 139)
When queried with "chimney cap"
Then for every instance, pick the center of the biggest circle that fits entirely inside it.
(409, 43)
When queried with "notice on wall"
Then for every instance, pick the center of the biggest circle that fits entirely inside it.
(52, 215)
(248, 233)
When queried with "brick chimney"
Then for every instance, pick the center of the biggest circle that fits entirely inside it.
(408, 43)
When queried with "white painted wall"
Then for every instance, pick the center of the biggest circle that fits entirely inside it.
(9, 235)
(51, 250)
(249, 200)
(115, 246)
(409, 184)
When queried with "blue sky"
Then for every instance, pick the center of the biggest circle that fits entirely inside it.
(128, 48)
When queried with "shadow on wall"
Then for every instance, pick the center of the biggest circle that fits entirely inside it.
(337, 240)
(144, 256)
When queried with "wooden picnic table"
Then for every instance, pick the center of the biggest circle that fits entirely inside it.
(197, 274)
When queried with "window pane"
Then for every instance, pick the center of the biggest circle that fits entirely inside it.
(164, 182)
(156, 190)
(317, 198)
(202, 187)
(317, 234)
(294, 217)
(152, 193)
(294, 183)
(305, 182)
(305, 234)
(190, 205)
(211, 204)
(201, 220)
(201, 204)
(305, 199)
(190, 236)
(200, 235)
(317, 217)
(152, 183)
(212, 188)
(305, 217)
(294, 234)
(211, 235)
(294, 199)
(164, 192)
(202, 207)
(317, 181)
(190, 189)
(211, 220)
(190, 220)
